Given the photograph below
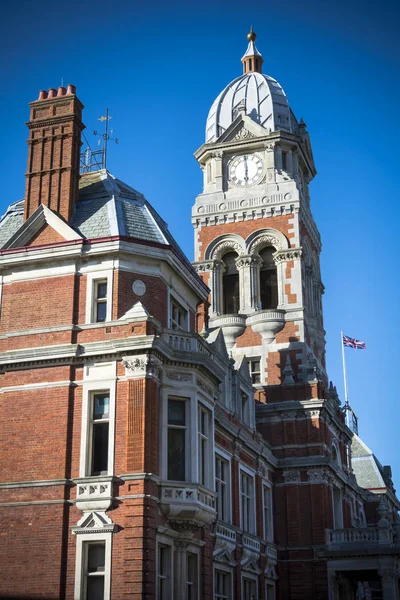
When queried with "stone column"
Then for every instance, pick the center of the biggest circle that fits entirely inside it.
(218, 171)
(289, 163)
(332, 585)
(180, 569)
(390, 583)
(278, 158)
(217, 271)
(249, 282)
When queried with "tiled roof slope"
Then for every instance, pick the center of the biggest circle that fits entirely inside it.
(367, 468)
(106, 207)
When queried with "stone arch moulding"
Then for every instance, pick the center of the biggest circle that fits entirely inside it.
(263, 237)
(223, 244)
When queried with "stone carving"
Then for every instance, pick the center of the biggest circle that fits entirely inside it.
(247, 260)
(178, 376)
(206, 388)
(145, 365)
(291, 476)
(243, 134)
(265, 239)
(226, 245)
(283, 255)
(204, 266)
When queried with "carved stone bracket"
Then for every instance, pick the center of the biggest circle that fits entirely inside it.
(290, 254)
(143, 365)
(291, 476)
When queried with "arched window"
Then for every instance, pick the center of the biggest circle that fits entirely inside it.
(268, 279)
(230, 284)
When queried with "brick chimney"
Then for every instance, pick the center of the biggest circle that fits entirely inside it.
(54, 143)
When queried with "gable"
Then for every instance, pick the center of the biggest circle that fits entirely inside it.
(44, 226)
(46, 235)
(242, 128)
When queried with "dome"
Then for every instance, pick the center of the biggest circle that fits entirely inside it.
(261, 96)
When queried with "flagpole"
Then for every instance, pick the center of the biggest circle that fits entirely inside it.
(346, 405)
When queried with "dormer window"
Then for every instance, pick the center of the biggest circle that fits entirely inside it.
(179, 316)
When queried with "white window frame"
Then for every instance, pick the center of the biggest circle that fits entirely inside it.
(268, 528)
(89, 389)
(270, 582)
(186, 427)
(228, 487)
(250, 360)
(196, 583)
(337, 508)
(227, 571)
(91, 280)
(335, 445)
(249, 577)
(87, 538)
(252, 510)
(180, 304)
(166, 543)
(209, 443)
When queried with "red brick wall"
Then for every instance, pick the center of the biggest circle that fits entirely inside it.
(37, 303)
(243, 228)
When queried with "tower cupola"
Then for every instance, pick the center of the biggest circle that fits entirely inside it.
(252, 59)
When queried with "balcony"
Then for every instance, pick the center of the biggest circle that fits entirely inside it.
(232, 327)
(251, 552)
(267, 323)
(225, 543)
(271, 552)
(185, 342)
(94, 494)
(359, 538)
(187, 505)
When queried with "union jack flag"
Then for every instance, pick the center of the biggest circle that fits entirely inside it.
(352, 343)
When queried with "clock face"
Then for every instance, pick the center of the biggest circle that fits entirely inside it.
(246, 170)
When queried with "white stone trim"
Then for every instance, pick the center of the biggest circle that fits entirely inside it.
(228, 458)
(89, 387)
(81, 540)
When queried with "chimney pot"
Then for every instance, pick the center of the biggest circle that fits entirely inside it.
(71, 89)
(61, 91)
(52, 93)
(42, 95)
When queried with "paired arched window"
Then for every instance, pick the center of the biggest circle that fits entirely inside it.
(268, 279)
(230, 284)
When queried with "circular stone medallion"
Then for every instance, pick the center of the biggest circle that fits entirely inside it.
(139, 287)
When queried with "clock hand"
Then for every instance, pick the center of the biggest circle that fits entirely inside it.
(246, 173)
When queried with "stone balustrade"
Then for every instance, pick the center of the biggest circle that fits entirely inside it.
(225, 531)
(251, 543)
(186, 342)
(189, 503)
(94, 493)
(362, 536)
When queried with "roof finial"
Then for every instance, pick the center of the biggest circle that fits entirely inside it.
(252, 60)
(251, 36)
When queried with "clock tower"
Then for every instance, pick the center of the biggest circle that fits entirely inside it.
(256, 243)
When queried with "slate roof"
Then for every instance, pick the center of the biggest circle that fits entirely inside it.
(367, 468)
(106, 207)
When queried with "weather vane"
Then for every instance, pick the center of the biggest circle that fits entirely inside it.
(106, 136)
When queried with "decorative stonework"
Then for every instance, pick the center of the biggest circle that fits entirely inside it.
(284, 255)
(264, 240)
(243, 134)
(206, 388)
(224, 247)
(291, 476)
(143, 365)
(204, 267)
(178, 376)
(94, 522)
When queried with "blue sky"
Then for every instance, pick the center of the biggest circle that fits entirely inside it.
(158, 66)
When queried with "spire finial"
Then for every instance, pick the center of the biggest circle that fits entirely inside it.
(251, 36)
(252, 59)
